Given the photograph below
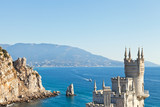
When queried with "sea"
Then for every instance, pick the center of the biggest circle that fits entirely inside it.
(58, 79)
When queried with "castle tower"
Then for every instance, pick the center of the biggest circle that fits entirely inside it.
(135, 70)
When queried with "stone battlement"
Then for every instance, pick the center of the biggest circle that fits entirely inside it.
(98, 92)
(133, 62)
(91, 104)
(116, 78)
(122, 79)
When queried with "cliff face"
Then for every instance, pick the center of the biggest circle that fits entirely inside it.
(17, 81)
(70, 91)
(27, 76)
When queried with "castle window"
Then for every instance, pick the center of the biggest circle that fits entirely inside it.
(142, 86)
(130, 88)
(123, 88)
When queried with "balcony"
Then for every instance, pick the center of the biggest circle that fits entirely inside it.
(144, 95)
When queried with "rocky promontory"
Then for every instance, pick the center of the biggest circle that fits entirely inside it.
(19, 82)
(70, 90)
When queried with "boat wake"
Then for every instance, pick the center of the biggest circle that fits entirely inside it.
(86, 79)
(152, 80)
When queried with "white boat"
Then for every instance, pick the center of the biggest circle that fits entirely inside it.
(90, 80)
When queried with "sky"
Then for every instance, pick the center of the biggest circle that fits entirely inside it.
(102, 27)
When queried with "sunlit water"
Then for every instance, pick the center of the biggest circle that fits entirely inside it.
(59, 78)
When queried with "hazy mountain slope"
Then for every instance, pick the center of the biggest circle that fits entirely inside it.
(151, 64)
(57, 55)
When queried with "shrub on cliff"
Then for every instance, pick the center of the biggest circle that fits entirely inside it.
(9, 63)
(0, 49)
(5, 53)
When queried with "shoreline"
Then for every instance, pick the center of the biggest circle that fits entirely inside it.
(31, 97)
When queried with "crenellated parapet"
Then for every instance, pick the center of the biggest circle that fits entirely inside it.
(129, 61)
(121, 78)
(122, 84)
(134, 68)
(98, 92)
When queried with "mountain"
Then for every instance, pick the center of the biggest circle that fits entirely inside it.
(58, 56)
(151, 64)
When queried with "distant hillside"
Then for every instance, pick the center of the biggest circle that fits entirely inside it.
(51, 55)
(58, 55)
(150, 64)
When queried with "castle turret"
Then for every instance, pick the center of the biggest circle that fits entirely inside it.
(129, 55)
(95, 87)
(138, 53)
(125, 54)
(103, 85)
(119, 86)
(142, 56)
(135, 69)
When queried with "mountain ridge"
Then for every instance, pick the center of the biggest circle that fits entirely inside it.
(53, 55)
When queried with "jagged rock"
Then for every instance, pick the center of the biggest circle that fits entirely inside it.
(70, 90)
(18, 82)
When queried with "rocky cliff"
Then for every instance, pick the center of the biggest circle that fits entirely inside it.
(19, 82)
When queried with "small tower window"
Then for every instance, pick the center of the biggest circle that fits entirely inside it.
(130, 88)
(123, 88)
(142, 86)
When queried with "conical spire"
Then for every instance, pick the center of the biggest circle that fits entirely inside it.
(138, 53)
(125, 54)
(119, 86)
(103, 85)
(142, 56)
(95, 87)
(129, 53)
(133, 86)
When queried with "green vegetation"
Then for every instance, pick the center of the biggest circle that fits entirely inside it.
(0, 49)
(9, 63)
(2, 59)
(29, 67)
(34, 73)
(5, 53)
(37, 75)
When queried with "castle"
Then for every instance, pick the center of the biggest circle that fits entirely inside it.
(126, 91)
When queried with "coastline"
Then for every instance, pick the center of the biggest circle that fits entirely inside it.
(30, 97)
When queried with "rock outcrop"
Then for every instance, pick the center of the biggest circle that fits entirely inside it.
(19, 82)
(70, 90)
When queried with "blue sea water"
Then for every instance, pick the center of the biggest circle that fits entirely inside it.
(57, 79)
